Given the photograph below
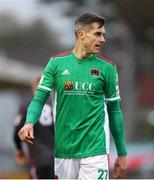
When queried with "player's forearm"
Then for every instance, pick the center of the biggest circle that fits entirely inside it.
(116, 124)
(36, 106)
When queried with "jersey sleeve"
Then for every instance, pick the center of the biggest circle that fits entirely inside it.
(116, 124)
(111, 84)
(47, 81)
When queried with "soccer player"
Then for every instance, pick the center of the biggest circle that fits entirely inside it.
(41, 153)
(83, 82)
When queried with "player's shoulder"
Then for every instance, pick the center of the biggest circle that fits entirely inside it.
(61, 55)
(105, 61)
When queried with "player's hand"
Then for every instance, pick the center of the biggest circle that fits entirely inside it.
(20, 157)
(26, 133)
(120, 167)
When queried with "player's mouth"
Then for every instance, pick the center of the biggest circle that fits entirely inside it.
(98, 46)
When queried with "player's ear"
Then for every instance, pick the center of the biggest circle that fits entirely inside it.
(81, 34)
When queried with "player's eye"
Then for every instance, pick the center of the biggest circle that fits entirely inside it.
(98, 34)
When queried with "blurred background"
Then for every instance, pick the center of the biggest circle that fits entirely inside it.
(31, 31)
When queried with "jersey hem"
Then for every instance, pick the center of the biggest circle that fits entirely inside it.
(80, 155)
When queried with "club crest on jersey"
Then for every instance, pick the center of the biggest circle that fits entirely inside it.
(95, 73)
(68, 85)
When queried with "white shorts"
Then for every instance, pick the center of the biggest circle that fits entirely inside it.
(94, 167)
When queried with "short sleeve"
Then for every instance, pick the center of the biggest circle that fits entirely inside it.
(47, 81)
(111, 84)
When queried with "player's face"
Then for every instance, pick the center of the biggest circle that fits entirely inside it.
(94, 38)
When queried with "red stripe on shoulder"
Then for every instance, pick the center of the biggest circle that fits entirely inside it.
(106, 59)
(65, 53)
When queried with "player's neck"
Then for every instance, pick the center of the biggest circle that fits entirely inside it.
(80, 52)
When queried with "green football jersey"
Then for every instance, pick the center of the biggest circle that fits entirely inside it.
(82, 86)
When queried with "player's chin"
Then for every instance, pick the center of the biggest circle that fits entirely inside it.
(96, 51)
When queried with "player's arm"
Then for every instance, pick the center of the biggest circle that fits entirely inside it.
(33, 114)
(116, 122)
(35, 108)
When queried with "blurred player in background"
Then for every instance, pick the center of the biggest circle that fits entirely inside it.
(41, 154)
(84, 81)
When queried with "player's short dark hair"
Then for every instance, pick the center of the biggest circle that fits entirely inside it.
(86, 19)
